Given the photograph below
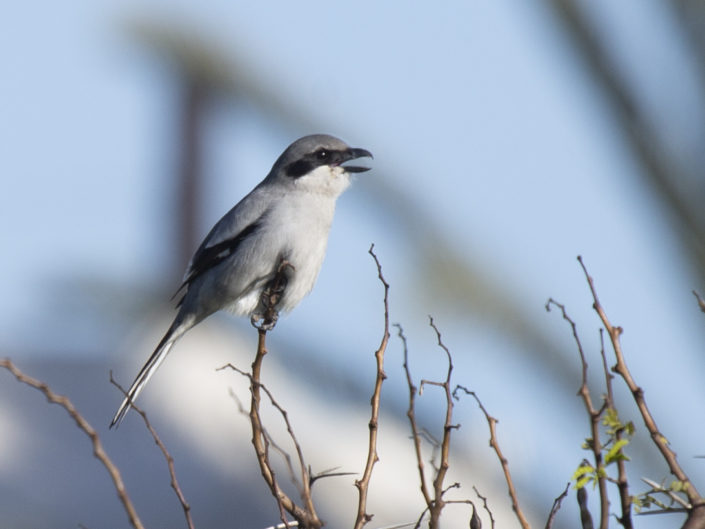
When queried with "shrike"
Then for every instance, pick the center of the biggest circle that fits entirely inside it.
(279, 230)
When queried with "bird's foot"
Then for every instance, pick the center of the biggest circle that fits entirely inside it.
(266, 318)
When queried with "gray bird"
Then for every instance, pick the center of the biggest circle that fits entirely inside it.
(264, 255)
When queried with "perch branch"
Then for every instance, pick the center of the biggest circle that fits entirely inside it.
(306, 517)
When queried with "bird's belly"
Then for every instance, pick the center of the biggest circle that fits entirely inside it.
(242, 291)
(306, 261)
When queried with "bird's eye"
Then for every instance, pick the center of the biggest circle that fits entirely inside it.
(322, 154)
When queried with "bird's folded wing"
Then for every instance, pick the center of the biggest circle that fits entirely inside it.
(228, 234)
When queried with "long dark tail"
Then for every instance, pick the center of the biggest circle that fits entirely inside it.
(158, 356)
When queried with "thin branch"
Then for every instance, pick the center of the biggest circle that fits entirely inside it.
(169, 459)
(594, 417)
(363, 483)
(303, 483)
(283, 453)
(625, 499)
(448, 426)
(556, 506)
(430, 439)
(330, 473)
(492, 423)
(306, 517)
(696, 517)
(701, 301)
(485, 506)
(411, 415)
(418, 522)
(84, 426)
(655, 487)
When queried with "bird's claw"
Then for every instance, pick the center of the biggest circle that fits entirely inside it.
(266, 319)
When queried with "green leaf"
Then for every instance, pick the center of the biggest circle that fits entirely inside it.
(583, 481)
(582, 470)
(583, 475)
(611, 421)
(678, 486)
(614, 453)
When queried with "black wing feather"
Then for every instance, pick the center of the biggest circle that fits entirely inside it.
(210, 256)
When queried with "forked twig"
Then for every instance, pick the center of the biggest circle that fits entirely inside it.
(411, 414)
(86, 428)
(169, 459)
(494, 443)
(594, 416)
(696, 516)
(438, 503)
(556, 506)
(305, 516)
(304, 481)
(625, 498)
(363, 483)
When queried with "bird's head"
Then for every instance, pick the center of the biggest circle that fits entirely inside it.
(317, 163)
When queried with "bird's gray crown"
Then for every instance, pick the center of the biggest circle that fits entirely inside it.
(310, 152)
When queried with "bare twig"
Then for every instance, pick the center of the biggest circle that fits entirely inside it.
(84, 426)
(330, 473)
(363, 483)
(696, 517)
(625, 499)
(485, 506)
(492, 423)
(655, 487)
(424, 433)
(169, 459)
(268, 313)
(438, 502)
(701, 301)
(306, 517)
(434, 500)
(283, 453)
(420, 519)
(556, 506)
(594, 417)
(300, 483)
(411, 414)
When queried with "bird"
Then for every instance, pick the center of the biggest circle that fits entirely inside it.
(264, 255)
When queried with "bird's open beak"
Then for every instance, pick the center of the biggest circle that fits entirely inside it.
(353, 154)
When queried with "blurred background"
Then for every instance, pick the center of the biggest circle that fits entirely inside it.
(509, 137)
